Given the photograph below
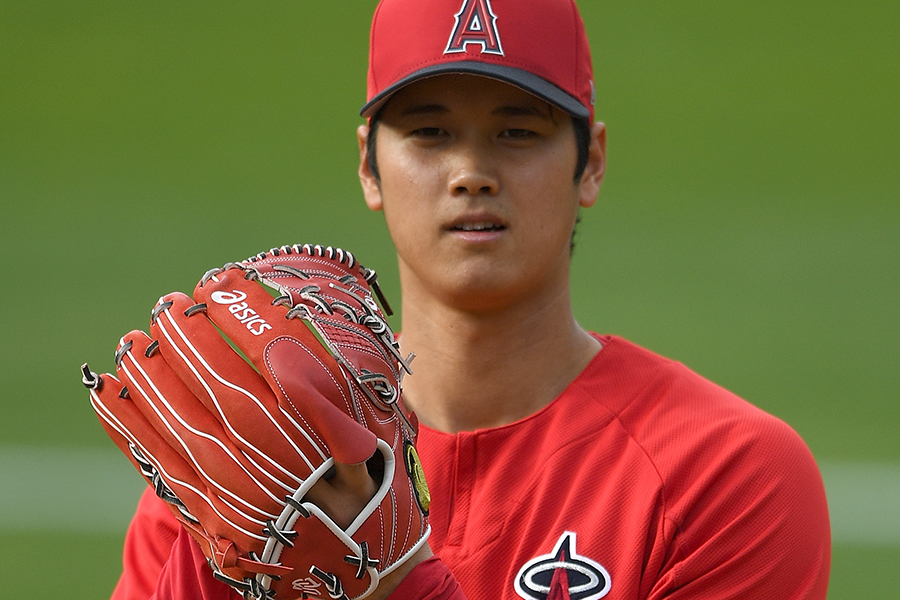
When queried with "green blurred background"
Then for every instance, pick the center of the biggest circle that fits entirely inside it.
(749, 224)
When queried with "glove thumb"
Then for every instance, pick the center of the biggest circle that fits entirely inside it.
(306, 383)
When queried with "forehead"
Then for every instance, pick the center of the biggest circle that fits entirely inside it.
(462, 92)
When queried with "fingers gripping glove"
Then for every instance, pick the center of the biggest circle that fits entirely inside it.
(234, 443)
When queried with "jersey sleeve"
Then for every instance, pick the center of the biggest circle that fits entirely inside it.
(148, 543)
(186, 575)
(757, 526)
(429, 580)
(162, 562)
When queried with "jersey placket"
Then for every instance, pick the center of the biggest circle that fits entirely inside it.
(463, 484)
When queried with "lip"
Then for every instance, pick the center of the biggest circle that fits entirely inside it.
(477, 227)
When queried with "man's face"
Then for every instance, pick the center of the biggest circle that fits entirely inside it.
(476, 183)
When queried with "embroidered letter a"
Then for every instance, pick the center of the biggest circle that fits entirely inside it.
(476, 23)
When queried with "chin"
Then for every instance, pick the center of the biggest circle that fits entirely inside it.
(485, 294)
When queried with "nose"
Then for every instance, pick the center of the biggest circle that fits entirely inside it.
(472, 171)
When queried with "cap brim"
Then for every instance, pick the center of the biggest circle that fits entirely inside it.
(524, 80)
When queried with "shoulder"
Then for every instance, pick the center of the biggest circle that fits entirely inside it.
(674, 413)
(688, 426)
(735, 480)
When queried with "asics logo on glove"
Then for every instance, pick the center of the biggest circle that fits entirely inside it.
(241, 310)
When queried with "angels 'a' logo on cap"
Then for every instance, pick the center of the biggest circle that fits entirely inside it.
(476, 23)
(563, 575)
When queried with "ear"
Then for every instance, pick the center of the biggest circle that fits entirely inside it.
(371, 188)
(596, 167)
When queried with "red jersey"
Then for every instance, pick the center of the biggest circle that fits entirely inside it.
(642, 480)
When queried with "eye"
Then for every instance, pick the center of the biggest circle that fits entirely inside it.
(428, 132)
(518, 134)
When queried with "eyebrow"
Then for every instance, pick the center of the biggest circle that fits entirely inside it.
(511, 110)
(424, 109)
(522, 110)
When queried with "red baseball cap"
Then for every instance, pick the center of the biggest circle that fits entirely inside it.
(539, 46)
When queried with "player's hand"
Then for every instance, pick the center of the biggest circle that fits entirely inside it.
(343, 494)
(342, 497)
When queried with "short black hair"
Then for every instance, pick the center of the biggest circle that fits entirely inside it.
(581, 126)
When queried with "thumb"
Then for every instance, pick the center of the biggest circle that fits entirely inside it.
(343, 496)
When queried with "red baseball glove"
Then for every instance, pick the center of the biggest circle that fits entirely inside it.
(234, 443)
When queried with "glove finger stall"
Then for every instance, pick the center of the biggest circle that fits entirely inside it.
(236, 489)
(232, 391)
(172, 478)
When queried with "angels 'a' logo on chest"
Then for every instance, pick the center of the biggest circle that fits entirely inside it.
(563, 575)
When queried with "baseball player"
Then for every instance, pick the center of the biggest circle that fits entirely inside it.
(562, 464)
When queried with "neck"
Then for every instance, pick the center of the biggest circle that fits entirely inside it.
(476, 370)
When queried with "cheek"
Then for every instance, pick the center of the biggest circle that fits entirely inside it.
(552, 189)
(552, 166)
(411, 190)
(405, 176)
(407, 216)
(552, 218)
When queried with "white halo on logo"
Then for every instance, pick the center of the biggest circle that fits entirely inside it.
(528, 588)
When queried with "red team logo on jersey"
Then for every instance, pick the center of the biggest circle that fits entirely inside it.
(563, 575)
(476, 23)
